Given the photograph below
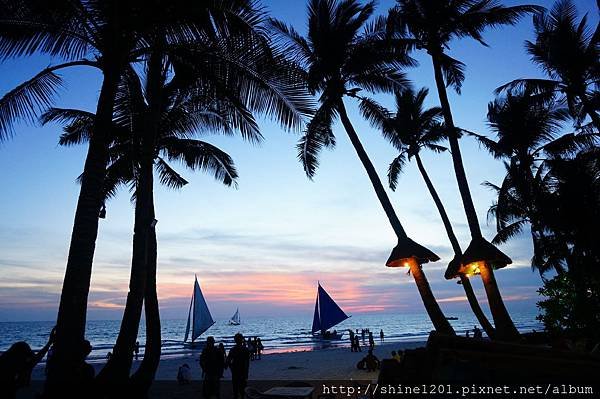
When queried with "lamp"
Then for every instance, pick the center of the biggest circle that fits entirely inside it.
(102, 213)
(407, 253)
(480, 252)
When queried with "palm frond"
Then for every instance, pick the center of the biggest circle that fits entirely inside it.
(453, 70)
(318, 135)
(27, 100)
(396, 167)
(59, 29)
(168, 176)
(530, 85)
(509, 231)
(199, 155)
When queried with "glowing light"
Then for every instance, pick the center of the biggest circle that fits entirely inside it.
(472, 269)
(404, 262)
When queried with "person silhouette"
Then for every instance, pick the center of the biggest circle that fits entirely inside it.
(370, 362)
(184, 374)
(371, 341)
(212, 364)
(477, 332)
(238, 362)
(357, 344)
(136, 350)
(16, 365)
(251, 348)
(221, 349)
(259, 347)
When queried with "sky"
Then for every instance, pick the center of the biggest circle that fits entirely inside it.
(263, 246)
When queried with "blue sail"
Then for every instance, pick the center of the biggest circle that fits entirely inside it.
(329, 313)
(199, 317)
(202, 317)
(316, 319)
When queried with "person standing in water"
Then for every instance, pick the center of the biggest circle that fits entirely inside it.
(238, 362)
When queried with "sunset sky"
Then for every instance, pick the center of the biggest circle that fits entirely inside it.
(263, 246)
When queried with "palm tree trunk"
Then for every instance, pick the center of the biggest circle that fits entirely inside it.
(505, 328)
(476, 308)
(440, 207)
(117, 370)
(71, 319)
(142, 379)
(431, 305)
(438, 319)
(483, 320)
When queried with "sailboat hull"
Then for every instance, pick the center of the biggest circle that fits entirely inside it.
(328, 337)
(233, 323)
(194, 345)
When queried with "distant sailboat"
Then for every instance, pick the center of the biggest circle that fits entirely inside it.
(327, 314)
(199, 318)
(235, 319)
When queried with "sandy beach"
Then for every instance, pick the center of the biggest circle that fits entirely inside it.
(274, 369)
(325, 364)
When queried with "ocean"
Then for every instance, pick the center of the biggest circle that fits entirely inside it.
(278, 334)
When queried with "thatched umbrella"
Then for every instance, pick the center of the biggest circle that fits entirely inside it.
(481, 258)
(408, 253)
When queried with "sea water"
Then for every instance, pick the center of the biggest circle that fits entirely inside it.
(278, 334)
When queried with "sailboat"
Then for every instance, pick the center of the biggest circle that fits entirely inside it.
(199, 318)
(235, 319)
(327, 314)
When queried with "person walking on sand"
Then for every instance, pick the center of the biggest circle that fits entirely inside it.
(351, 340)
(212, 364)
(371, 341)
(381, 335)
(136, 350)
(238, 362)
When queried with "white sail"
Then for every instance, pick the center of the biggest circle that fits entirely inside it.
(235, 319)
(199, 317)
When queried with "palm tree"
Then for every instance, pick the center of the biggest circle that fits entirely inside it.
(182, 112)
(568, 53)
(432, 25)
(527, 127)
(340, 60)
(70, 30)
(411, 129)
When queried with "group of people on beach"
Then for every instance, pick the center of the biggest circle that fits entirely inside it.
(365, 332)
(477, 333)
(255, 347)
(214, 360)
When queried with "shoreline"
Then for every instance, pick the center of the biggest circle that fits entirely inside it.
(337, 363)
